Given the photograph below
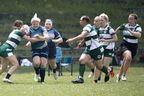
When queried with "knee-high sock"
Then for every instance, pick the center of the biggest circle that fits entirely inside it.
(104, 69)
(37, 69)
(81, 69)
(92, 70)
(42, 74)
(8, 76)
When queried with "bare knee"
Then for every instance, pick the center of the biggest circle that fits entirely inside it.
(82, 61)
(16, 65)
(127, 56)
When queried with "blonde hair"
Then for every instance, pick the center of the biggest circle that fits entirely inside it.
(105, 16)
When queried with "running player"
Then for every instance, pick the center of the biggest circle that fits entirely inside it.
(128, 48)
(107, 38)
(93, 49)
(54, 39)
(39, 49)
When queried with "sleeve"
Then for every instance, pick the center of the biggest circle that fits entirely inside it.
(122, 27)
(111, 31)
(87, 28)
(57, 34)
(139, 29)
(19, 33)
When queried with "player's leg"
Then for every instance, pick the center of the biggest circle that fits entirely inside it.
(102, 68)
(51, 58)
(107, 61)
(14, 65)
(92, 67)
(36, 65)
(3, 65)
(97, 55)
(82, 61)
(42, 68)
(126, 62)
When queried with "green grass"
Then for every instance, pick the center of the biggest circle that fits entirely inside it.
(25, 86)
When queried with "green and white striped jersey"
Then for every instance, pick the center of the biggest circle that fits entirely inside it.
(106, 33)
(127, 36)
(14, 38)
(91, 40)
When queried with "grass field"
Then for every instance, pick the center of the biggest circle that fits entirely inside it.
(25, 86)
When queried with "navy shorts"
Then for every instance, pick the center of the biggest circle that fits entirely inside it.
(40, 52)
(51, 50)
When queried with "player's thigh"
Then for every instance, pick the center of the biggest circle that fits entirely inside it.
(84, 58)
(13, 60)
(43, 62)
(127, 54)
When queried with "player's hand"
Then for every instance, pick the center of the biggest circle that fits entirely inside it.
(69, 40)
(28, 44)
(79, 45)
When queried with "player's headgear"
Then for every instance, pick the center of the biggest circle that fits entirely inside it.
(35, 18)
(48, 21)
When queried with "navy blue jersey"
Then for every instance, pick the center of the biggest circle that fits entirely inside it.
(35, 32)
(53, 33)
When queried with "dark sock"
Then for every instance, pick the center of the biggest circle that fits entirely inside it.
(95, 81)
(81, 69)
(37, 69)
(42, 74)
(92, 70)
(104, 69)
(8, 76)
(58, 66)
(54, 70)
(99, 78)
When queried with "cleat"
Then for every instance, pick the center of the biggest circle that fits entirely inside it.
(7, 80)
(118, 78)
(90, 75)
(78, 81)
(42, 82)
(123, 78)
(111, 70)
(37, 78)
(106, 78)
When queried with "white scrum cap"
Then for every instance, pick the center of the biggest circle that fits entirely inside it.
(49, 21)
(35, 18)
